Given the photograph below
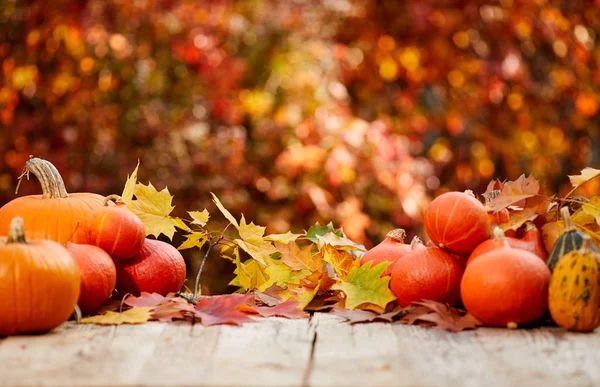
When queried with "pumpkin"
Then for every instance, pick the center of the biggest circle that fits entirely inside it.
(55, 214)
(574, 295)
(531, 241)
(569, 240)
(98, 275)
(39, 283)
(427, 273)
(390, 249)
(115, 229)
(505, 286)
(157, 268)
(457, 222)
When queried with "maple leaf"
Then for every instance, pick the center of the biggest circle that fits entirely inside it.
(364, 284)
(194, 239)
(515, 191)
(297, 258)
(360, 316)
(172, 309)
(154, 208)
(442, 316)
(302, 294)
(129, 189)
(224, 211)
(266, 298)
(592, 209)
(253, 242)
(281, 275)
(341, 261)
(288, 237)
(199, 217)
(586, 175)
(250, 274)
(339, 242)
(223, 309)
(318, 230)
(145, 300)
(131, 316)
(288, 309)
(517, 219)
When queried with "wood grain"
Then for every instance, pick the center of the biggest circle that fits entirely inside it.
(322, 351)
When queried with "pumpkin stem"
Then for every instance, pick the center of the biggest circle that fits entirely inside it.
(586, 244)
(497, 233)
(16, 231)
(397, 234)
(566, 215)
(114, 198)
(469, 192)
(53, 186)
(415, 242)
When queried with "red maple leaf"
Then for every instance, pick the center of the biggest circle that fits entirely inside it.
(223, 309)
(288, 309)
(145, 300)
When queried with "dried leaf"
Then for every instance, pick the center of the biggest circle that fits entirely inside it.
(145, 300)
(194, 239)
(515, 191)
(362, 316)
(592, 208)
(586, 175)
(129, 189)
(282, 275)
(253, 242)
(199, 217)
(299, 259)
(131, 316)
(288, 309)
(302, 294)
(441, 316)
(517, 219)
(224, 211)
(223, 309)
(364, 284)
(250, 274)
(341, 261)
(283, 238)
(172, 309)
(339, 242)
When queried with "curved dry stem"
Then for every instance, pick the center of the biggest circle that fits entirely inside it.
(52, 183)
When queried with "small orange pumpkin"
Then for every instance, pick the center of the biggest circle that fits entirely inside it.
(457, 222)
(98, 275)
(115, 229)
(55, 214)
(390, 250)
(39, 283)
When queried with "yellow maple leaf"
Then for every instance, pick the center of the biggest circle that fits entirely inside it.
(282, 275)
(154, 208)
(224, 211)
(586, 175)
(253, 242)
(131, 316)
(299, 293)
(339, 242)
(299, 259)
(194, 239)
(283, 238)
(341, 261)
(592, 208)
(364, 284)
(250, 275)
(129, 189)
(199, 217)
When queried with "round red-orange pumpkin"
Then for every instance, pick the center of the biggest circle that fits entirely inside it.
(39, 283)
(457, 222)
(115, 229)
(54, 215)
(158, 268)
(506, 286)
(390, 249)
(426, 274)
(98, 275)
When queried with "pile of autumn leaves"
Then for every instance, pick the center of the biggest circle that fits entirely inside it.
(289, 274)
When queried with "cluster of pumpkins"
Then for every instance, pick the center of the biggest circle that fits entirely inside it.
(60, 250)
(502, 280)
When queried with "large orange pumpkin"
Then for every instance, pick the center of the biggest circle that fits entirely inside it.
(158, 268)
(98, 275)
(39, 283)
(457, 222)
(115, 229)
(426, 274)
(506, 286)
(55, 214)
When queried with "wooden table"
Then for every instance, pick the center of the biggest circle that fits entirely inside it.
(321, 351)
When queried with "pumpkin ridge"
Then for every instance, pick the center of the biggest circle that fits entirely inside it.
(443, 239)
(462, 238)
(100, 229)
(117, 237)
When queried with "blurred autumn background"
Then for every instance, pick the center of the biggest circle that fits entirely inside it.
(356, 112)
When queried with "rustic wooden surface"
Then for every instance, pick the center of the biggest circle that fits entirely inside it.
(317, 352)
